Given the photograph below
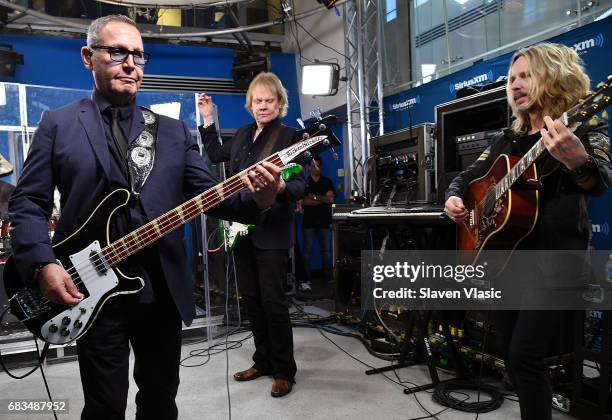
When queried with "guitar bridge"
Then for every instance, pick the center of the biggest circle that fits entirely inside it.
(31, 302)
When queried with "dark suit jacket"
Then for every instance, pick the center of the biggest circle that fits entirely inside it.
(276, 229)
(70, 151)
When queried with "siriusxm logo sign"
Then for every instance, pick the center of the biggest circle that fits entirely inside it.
(602, 228)
(398, 106)
(481, 78)
(583, 46)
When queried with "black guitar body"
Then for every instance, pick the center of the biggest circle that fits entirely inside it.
(61, 324)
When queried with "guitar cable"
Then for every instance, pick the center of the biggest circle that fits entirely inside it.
(400, 383)
(443, 393)
(41, 355)
(227, 332)
(224, 345)
(482, 350)
(229, 397)
(210, 237)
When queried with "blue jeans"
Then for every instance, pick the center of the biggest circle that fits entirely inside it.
(323, 236)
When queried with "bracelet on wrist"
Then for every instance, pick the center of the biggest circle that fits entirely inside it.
(582, 172)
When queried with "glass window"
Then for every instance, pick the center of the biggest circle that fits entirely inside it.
(396, 50)
(13, 149)
(9, 104)
(180, 106)
(391, 10)
(449, 35)
(44, 98)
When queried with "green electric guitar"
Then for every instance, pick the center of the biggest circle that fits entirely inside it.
(232, 232)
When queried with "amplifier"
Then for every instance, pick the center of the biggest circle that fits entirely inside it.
(402, 166)
(470, 146)
(463, 128)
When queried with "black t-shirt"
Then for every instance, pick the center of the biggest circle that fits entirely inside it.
(318, 216)
(538, 237)
(526, 142)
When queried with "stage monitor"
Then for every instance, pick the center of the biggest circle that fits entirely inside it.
(485, 112)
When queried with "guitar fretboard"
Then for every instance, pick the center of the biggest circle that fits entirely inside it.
(517, 170)
(573, 118)
(171, 220)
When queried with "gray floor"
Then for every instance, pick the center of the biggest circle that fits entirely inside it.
(330, 385)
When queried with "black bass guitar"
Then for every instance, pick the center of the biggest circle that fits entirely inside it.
(91, 258)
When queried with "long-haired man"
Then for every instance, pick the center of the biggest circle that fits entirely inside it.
(544, 80)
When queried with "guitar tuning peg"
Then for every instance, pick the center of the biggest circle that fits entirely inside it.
(307, 154)
(593, 121)
(604, 114)
(326, 142)
(600, 85)
(333, 153)
(316, 113)
(322, 127)
(305, 136)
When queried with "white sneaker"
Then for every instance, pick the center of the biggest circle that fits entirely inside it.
(305, 287)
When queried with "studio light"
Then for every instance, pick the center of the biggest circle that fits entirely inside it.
(320, 79)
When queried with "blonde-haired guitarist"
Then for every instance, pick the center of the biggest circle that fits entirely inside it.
(543, 81)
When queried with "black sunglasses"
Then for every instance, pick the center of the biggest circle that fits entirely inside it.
(119, 55)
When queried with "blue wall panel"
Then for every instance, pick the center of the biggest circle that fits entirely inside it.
(179, 60)
(56, 62)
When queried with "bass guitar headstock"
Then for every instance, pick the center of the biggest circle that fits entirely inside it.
(311, 141)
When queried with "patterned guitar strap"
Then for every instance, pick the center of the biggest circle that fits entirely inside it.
(141, 152)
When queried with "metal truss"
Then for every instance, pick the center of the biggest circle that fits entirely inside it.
(364, 93)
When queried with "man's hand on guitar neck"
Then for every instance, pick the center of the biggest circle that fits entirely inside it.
(57, 286)
(562, 144)
(455, 209)
(264, 182)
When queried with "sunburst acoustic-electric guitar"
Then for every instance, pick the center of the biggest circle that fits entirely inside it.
(91, 258)
(503, 204)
